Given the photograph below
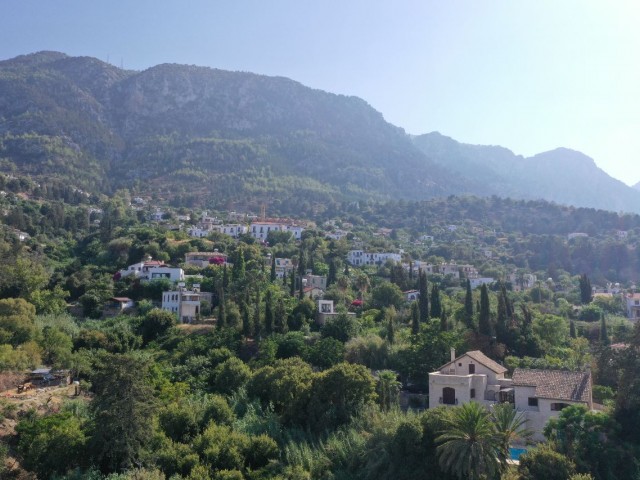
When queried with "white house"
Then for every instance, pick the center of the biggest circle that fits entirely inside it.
(411, 295)
(174, 274)
(541, 394)
(632, 303)
(186, 304)
(361, 258)
(260, 230)
(151, 270)
(317, 281)
(284, 266)
(204, 259)
(476, 282)
(326, 311)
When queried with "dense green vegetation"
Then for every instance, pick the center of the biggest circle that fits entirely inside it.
(260, 390)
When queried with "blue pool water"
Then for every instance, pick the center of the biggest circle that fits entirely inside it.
(516, 452)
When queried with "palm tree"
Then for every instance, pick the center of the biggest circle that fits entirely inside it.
(470, 446)
(510, 427)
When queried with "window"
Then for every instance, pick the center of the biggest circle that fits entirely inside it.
(533, 402)
(556, 407)
(472, 368)
(473, 393)
(460, 364)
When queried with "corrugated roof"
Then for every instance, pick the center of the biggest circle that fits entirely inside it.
(555, 384)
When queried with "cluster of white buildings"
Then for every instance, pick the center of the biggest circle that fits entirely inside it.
(361, 258)
(257, 229)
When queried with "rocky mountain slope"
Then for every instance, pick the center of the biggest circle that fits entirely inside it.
(201, 135)
(561, 175)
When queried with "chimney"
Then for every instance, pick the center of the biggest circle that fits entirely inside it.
(453, 354)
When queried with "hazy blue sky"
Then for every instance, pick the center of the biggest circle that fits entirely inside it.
(528, 75)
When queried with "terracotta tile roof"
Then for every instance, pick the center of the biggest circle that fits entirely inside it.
(555, 384)
(482, 359)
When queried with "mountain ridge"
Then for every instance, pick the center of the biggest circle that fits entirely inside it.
(201, 135)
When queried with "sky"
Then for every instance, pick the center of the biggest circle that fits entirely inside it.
(530, 75)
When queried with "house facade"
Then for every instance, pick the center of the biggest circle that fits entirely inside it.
(361, 258)
(185, 303)
(632, 303)
(540, 394)
(204, 259)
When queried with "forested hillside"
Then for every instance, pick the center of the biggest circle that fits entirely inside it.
(204, 136)
(256, 387)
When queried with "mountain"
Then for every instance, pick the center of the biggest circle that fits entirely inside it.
(561, 175)
(197, 135)
(637, 186)
(205, 134)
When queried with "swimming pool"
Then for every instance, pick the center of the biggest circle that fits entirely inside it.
(515, 453)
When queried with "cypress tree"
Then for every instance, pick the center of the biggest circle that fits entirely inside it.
(257, 325)
(604, 335)
(346, 269)
(436, 305)
(391, 328)
(501, 323)
(280, 317)
(292, 286)
(246, 320)
(273, 268)
(411, 271)
(268, 312)
(239, 268)
(443, 320)
(222, 315)
(331, 276)
(225, 278)
(484, 316)
(468, 307)
(423, 299)
(572, 328)
(585, 289)
(415, 318)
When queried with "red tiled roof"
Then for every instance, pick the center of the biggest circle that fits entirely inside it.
(482, 359)
(555, 384)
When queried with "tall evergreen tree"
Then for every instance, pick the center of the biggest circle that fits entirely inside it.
(332, 275)
(436, 305)
(585, 289)
(268, 312)
(501, 322)
(257, 321)
(484, 316)
(604, 335)
(222, 314)
(444, 326)
(423, 298)
(247, 327)
(273, 268)
(572, 328)
(280, 317)
(292, 280)
(225, 278)
(239, 267)
(468, 306)
(415, 318)
(390, 313)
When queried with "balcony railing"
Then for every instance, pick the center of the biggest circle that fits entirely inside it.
(445, 403)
